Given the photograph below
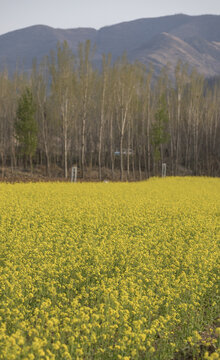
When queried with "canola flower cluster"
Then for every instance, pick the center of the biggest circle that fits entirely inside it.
(109, 270)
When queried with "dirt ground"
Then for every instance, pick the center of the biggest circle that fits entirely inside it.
(39, 175)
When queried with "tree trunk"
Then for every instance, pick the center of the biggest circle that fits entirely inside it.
(121, 157)
(3, 164)
(31, 163)
(111, 147)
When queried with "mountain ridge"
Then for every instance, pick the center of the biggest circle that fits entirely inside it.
(192, 39)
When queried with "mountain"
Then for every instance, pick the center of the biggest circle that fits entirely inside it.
(166, 49)
(19, 48)
(157, 41)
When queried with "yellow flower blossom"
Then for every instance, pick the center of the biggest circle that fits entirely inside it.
(117, 270)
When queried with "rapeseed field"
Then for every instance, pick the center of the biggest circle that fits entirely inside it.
(110, 270)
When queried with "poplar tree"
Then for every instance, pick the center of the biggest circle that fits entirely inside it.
(62, 94)
(159, 133)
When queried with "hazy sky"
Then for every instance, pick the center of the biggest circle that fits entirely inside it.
(16, 14)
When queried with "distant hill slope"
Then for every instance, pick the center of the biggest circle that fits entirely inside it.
(194, 39)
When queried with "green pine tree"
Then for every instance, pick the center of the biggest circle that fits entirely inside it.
(26, 126)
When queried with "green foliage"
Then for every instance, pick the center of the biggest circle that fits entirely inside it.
(159, 134)
(25, 124)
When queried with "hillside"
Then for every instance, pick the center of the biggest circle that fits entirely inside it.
(193, 39)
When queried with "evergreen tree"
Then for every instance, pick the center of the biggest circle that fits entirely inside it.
(26, 126)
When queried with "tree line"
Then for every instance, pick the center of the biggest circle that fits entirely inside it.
(121, 118)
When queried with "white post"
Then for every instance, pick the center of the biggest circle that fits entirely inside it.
(164, 169)
(74, 174)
